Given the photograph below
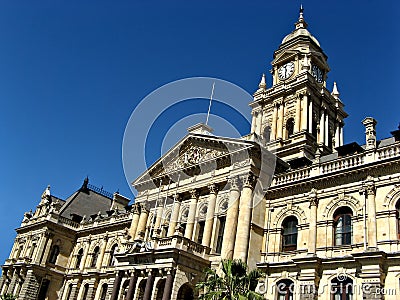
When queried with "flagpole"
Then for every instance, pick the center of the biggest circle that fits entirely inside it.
(209, 105)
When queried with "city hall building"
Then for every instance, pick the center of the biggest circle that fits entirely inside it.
(320, 218)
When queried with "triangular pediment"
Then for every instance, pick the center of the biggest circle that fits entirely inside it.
(191, 151)
(284, 56)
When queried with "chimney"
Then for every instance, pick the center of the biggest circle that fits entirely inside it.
(370, 133)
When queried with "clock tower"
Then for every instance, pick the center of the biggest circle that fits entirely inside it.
(298, 117)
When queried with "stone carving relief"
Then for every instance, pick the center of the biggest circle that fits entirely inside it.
(192, 156)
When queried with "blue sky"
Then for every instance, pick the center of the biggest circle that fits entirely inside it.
(71, 73)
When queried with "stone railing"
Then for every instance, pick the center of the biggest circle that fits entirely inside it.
(388, 152)
(338, 164)
(292, 176)
(67, 222)
(182, 243)
(342, 163)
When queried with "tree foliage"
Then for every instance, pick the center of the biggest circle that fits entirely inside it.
(8, 297)
(234, 282)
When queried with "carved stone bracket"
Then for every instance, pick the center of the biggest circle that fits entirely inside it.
(313, 197)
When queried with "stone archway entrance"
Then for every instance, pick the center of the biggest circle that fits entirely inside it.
(185, 292)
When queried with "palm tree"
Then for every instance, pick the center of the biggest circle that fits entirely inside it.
(234, 283)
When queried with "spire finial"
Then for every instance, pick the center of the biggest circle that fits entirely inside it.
(301, 17)
(263, 83)
(335, 91)
(301, 23)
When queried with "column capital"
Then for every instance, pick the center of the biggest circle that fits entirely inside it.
(313, 197)
(135, 208)
(144, 207)
(178, 197)
(369, 186)
(213, 188)
(194, 194)
(249, 180)
(234, 182)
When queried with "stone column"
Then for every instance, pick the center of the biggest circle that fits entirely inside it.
(132, 286)
(135, 220)
(304, 118)
(117, 285)
(310, 116)
(312, 231)
(280, 121)
(244, 219)
(47, 247)
(326, 129)
(192, 214)
(259, 122)
(168, 285)
(210, 215)
(337, 135)
(274, 120)
(159, 213)
(42, 244)
(149, 286)
(141, 228)
(174, 215)
(298, 117)
(228, 242)
(371, 211)
(102, 251)
(341, 135)
(322, 127)
(253, 122)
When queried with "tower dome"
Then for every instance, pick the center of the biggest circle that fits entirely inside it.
(300, 30)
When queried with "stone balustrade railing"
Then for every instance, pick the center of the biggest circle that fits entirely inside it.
(388, 152)
(336, 165)
(173, 242)
(341, 164)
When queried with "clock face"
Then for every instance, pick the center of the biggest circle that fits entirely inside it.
(286, 71)
(317, 73)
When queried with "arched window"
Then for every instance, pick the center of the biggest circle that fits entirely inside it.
(289, 127)
(69, 292)
(398, 218)
(79, 258)
(95, 257)
(342, 289)
(267, 134)
(111, 260)
(54, 254)
(85, 292)
(289, 234)
(343, 229)
(285, 289)
(103, 294)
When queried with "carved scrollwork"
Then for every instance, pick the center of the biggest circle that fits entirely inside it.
(192, 156)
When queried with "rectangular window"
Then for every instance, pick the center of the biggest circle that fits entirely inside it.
(201, 232)
(222, 221)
